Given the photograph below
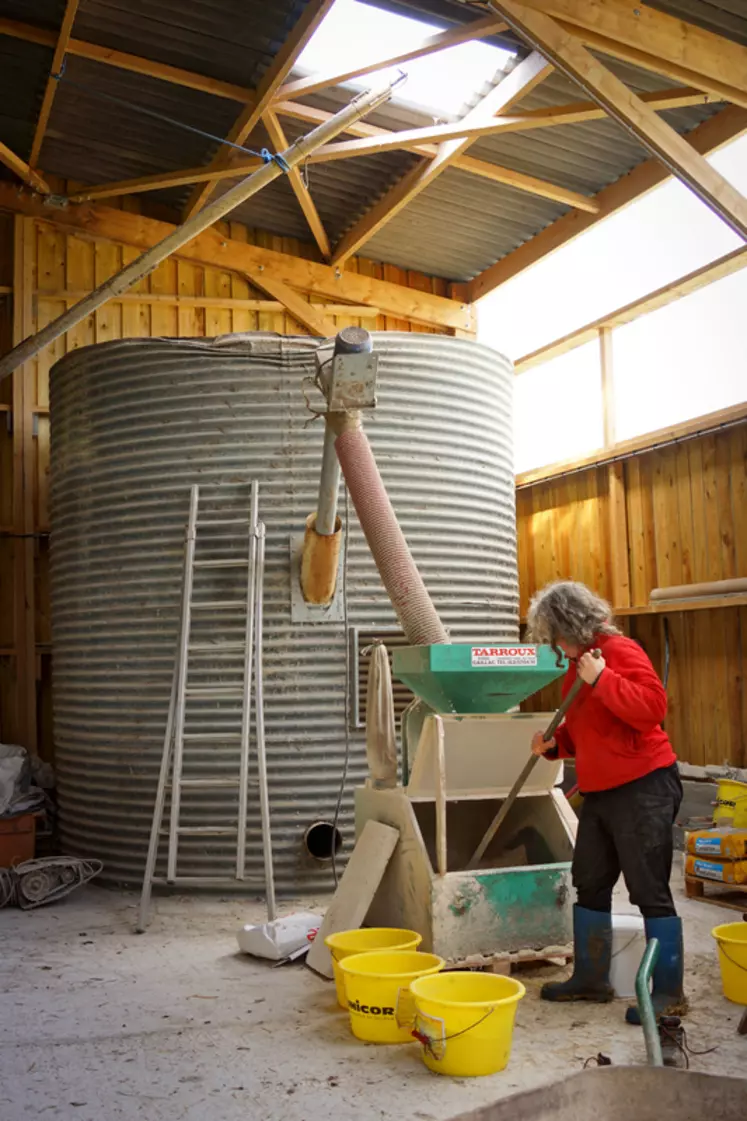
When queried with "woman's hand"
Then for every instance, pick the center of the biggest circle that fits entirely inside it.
(589, 667)
(540, 745)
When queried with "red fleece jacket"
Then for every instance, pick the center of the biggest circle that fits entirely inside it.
(613, 728)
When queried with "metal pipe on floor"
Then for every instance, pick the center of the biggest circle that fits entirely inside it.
(646, 1005)
(147, 262)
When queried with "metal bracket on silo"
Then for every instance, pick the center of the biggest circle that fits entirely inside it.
(301, 611)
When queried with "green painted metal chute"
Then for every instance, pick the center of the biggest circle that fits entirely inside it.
(461, 678)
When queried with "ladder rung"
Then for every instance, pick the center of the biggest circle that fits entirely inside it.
(209, 647)
(223, 521)
(214, 693)
(217, 736)
(221, 564)
(196, 881)
(209, 783)
(204, 831)
(214, 604)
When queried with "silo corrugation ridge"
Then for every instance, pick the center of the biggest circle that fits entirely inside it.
(134, 424)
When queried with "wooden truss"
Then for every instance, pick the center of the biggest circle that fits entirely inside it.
(561, 32)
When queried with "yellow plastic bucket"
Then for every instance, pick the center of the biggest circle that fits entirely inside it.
(731, 803)
(731, 938)
(348, 942)
(377, 987)
(465, 1021)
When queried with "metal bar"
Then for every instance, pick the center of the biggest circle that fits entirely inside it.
(259, 727)
(645, 1004)
(202, 220)
(181, 685)
(329, 485)
(155, 829)
(529, 766)
(247, 683)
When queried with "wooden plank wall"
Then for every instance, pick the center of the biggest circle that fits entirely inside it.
(685, 521)
(47, 270)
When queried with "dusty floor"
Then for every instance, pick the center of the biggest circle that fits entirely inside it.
(100, 1024)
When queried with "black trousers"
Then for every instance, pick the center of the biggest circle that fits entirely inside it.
(629, 830)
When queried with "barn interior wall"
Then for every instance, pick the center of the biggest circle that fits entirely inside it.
(675, 515)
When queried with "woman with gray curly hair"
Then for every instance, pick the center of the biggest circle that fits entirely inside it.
(627, 772)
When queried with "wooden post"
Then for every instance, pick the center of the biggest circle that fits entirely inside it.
(24, 629)
(618, 517)
(441, 847)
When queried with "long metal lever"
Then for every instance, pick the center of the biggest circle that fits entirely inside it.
(531, 763)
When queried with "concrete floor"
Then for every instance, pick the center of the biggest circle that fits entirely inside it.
(100, 1024)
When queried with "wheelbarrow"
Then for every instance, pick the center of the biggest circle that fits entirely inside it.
(647, 1093)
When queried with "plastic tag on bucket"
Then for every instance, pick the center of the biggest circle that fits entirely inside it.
(404, 1009)
(431, 1032)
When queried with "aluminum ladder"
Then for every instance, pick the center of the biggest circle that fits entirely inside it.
(177, 739)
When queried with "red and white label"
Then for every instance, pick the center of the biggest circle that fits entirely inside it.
(504, 655)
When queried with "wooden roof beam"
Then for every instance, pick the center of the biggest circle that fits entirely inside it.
(574, 60)
(123, 61)
(516, 85)
(707, 137)
(422, 139)
(477, 29)
(482, 168)
(93, 220)
(308, 315)
(279, 141)
(277, 72)
(416, 140)
(20, 168)
(58, 59)
(659, 42)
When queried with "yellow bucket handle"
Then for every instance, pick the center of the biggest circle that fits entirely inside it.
(437, 1047)
(731, 959)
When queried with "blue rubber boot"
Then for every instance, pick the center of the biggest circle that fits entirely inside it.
(667, 990)
(592, 941)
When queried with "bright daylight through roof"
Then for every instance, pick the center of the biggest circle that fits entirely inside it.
(442, 83)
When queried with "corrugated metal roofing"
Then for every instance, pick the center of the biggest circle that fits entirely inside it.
(235, 40)
(454, 229)
(97, 140)
(723, 17)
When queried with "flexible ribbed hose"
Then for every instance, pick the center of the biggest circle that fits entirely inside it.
(413, 605)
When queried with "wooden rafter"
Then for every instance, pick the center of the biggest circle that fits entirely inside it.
(658, 41)
(279, 142)
(277, 72)
(306, 314)
(214, 248)
(477, 29)
(680, 97)
(124, 61)
(20, 168)
(415, 140)
(58, 59)
(644, 305)
(522, 79)
(565, 52)
(483, 168)
(707, 137)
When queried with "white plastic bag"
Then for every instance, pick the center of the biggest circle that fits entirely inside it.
(280, 939)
